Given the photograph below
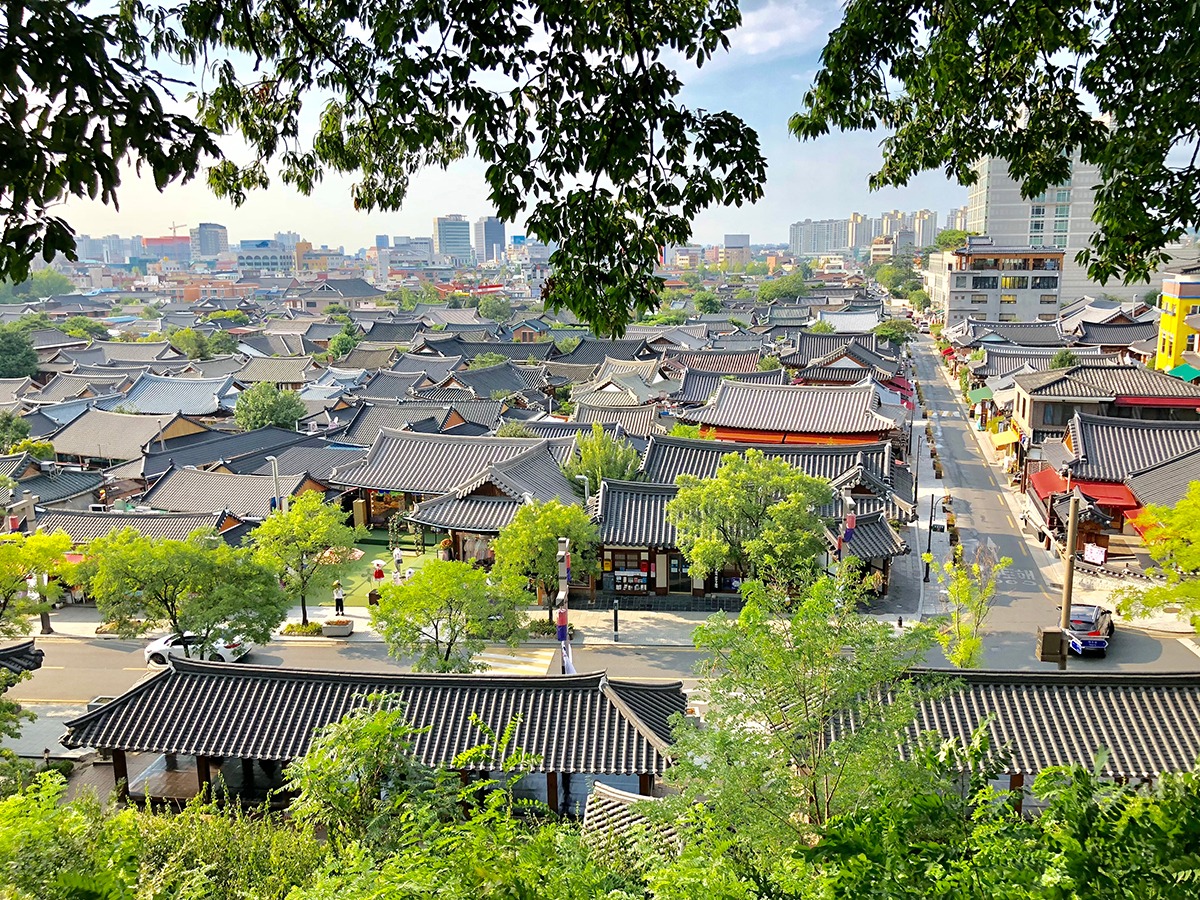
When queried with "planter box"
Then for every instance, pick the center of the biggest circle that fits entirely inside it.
(337, 630)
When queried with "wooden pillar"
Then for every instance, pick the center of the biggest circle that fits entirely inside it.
(646, 784)
(552, 791)
(1016, 784)
(247, 777)
(203, 774)
(120, 774)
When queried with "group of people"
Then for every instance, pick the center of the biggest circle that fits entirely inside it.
(377, 576)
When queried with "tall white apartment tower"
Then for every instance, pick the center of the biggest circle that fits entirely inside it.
(1060, 218)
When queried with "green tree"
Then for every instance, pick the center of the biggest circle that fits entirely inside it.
(445, 614)
(191, 343)
(40, 557)
(307, 547)
(48, 283)
(515, 429)
(757, 268)
(1063, 359)
(821, 327)
(723, 520)
(221, 343)
(680, 430)
(199, 585)
(599, 455)
(769, 364)
(83, 327)
(672, 317)
(496, 308)
(784, 287)
(970, 589)
(919, 299)
(13, 430)
(951, 238)
(707, 302)
(1084, 101)
(228, 317)
(776, 677)
(526, 549)
(150, 311)
(486, 360)
(264, 404)
(36, 449)
(896, 331)
(341, 344)
(17, 356)
(567, 344)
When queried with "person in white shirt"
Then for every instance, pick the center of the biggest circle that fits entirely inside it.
(397, 556)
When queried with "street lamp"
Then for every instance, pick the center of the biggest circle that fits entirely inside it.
(929, 540)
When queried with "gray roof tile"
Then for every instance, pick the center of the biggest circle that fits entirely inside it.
(194, 490)
(1107, 449)
(82, 527)
(801, 409)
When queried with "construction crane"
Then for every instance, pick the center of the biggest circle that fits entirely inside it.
(175, 228)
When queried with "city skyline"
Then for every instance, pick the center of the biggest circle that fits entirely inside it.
(774, 53)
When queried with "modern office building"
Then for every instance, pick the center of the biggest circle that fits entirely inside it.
(1061, 217)
(737, 241)
(490, 243)
(452, 240)
(265, 256)
(175, 248)
(986, 280)
(381, 242)
(209, 240)
(411, 251)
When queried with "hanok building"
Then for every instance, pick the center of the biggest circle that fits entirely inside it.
(793, 414)
(98, 439)
(233, 729)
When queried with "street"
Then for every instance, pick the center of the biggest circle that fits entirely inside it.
(1024, 597)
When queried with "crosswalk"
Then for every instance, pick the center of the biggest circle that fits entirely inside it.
(516, 661)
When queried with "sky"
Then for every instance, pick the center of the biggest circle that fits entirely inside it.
(772, 58)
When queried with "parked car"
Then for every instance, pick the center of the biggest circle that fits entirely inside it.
(158, 651)
(1091, 629)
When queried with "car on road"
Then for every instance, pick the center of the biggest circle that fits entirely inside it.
(158, 651)
(1091, 629)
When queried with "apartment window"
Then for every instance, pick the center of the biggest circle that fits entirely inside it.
(1057, 413)
(1037, 227)
(985, 282)
(1040, 198)
(1014, 265)
(1049, 298)
(1014, 282)
(960, 281)
(1047, 317)
(1008, 317)
(1060, 240)
(1045, 282)
(1062, 196)
(1037, 212)
(1061, 226)
(979, 298)
(1062, 212)
(1008, 298)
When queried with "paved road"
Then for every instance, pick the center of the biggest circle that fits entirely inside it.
(1025, 599)
(77, 670)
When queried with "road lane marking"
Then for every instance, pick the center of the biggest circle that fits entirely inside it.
(51, 667)
(1190, 644)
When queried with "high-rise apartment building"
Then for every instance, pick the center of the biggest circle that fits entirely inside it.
(490, 243)
(208, 240)
(1060, 217)
(956, 219)
(452, 240)
(737, 241)
(289, 239)
(860, 231)
(812, 238)
(924, 228)
(893, 221)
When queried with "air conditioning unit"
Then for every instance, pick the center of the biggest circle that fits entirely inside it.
(97, 507)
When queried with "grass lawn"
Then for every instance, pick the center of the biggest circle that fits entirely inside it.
(357, 581)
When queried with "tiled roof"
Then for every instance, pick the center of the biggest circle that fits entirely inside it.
(557, 428)
(975, 333)
(505, 378)
(576, 373)
(217, 366)
(594, 351)
(727, 363)
(393, 332)
(478, 514)
(1165, 483)
(455, 346)
(1107, 382)
(792, 408)
(275, 344)
(647, 369)
(21, 657)
(109, 435)
(277, 370)
(436, 367)
(159, 394)
(1107, 449)
(426, 463)
(62, 485)
(64, 386)
(614, 824)
(1116, 335)
(368, 358)
(13, 464)
(638, 421)
(850, 322)
(874, 538)
(811, 347)
(1006, 359)
(371, 418)
(217, 447)
(13, 388)
(444, 394)
(699, 386)
(260, 712)
(130, 351)
(86, 526)
(195, 490)
(1147, 724)
(633, 513)
(882, 367)
(45, 338)
(317, 458)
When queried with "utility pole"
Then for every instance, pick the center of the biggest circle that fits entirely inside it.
(1064, 621)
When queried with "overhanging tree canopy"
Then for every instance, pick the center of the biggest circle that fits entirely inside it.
(572, 107)
(1022, 80)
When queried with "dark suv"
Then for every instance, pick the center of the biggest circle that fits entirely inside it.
(1091, 629)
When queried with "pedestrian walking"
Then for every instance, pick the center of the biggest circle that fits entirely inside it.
(377, 575)
(339, 599)
(397, 556)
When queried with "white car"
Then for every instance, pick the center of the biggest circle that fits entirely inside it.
(158, 651)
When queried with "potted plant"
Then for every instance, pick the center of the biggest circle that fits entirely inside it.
(337, 627)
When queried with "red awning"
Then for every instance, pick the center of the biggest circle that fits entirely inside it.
(1047, 482)
(1105, 493)
(949, 351)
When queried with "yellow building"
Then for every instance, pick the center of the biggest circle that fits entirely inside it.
(1179, 324)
